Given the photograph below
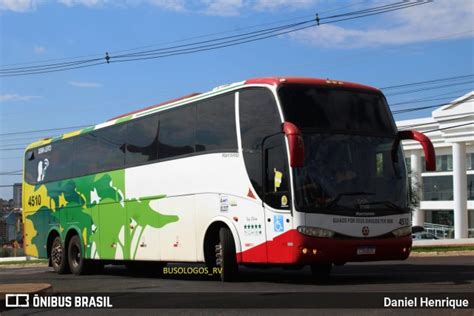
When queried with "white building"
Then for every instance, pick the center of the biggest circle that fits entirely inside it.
(447, 195)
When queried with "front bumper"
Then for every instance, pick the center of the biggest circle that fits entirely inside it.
(289, 248)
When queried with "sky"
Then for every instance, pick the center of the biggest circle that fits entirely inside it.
(421, 43)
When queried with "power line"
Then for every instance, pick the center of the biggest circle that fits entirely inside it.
(256, 37)
(29, 138)
(426, 82)
(449, 95)
(430, 123)
(45, 130)
(188, 38)
(8, 149)
(238, 39)
(449, 127)
(212, 44)
(417, 109)
(166, 50)
(10, 172)
(425, 107)
(431, 88)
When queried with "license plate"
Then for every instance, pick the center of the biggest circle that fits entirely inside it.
(366, 251)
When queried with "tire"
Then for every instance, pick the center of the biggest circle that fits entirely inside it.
(321, 271)
(58, 257)
(77, 264)
(226, 256)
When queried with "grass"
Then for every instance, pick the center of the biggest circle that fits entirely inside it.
(442, 249)
(24, 262)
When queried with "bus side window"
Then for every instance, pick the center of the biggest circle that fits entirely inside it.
(30, 167)
(142, 140)
(215, 126)
(176, 132)
(259, 118)
(276, 172)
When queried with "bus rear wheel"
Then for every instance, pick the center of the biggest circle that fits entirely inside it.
(58, 257)
(77, 263)
(226, 256)
(321, 271)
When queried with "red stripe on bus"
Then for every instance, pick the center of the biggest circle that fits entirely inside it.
(287, 248)
(275, 81)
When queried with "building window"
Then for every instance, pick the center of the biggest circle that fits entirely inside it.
(470, 161)
(470, 187)
(445, 162)
(439, 188)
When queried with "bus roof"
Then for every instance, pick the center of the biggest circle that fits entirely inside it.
(275, 81)
(272, 81)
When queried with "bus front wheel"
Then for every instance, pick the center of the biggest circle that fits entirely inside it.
(226, 256)
(58, 257)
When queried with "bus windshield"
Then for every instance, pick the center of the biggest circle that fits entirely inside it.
(350, 167)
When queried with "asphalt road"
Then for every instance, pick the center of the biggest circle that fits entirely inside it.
(422, 275)
(419, 274)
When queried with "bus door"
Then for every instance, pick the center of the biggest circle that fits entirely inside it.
(277, 199)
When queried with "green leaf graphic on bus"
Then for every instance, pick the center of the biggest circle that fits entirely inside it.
(95, 207)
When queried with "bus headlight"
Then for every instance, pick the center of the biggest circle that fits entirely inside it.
(403, 231)
(315, 232)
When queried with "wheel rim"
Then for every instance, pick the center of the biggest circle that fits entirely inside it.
(219, 255)
(57, 254)
(75, 256)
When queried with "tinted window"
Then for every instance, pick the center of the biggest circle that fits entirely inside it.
(112, 147)
(258, 118)
(86, 154)
(142, 140)
(49, 163)
(215, 128)
(335, 109)
(276, 173)
(176, 132)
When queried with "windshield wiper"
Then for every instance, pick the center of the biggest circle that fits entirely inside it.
(340, 195)
(384, 203)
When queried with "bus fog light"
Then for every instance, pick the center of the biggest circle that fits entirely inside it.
(315, 232)
(403, 231)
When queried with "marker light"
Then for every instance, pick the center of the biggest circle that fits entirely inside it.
(315, 232)
(304, 251)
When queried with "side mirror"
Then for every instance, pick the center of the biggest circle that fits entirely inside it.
(425, 142)
(296, 144)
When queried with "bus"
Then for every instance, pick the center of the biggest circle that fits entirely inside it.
(265, 172)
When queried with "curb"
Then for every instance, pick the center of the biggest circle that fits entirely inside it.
(23, 265)
(442, 253)
(24, 288)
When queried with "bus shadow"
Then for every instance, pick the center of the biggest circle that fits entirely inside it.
(371, 274)
(359, 274)
(184, 272)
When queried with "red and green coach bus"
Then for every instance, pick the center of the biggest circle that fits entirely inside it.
(268, 171)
